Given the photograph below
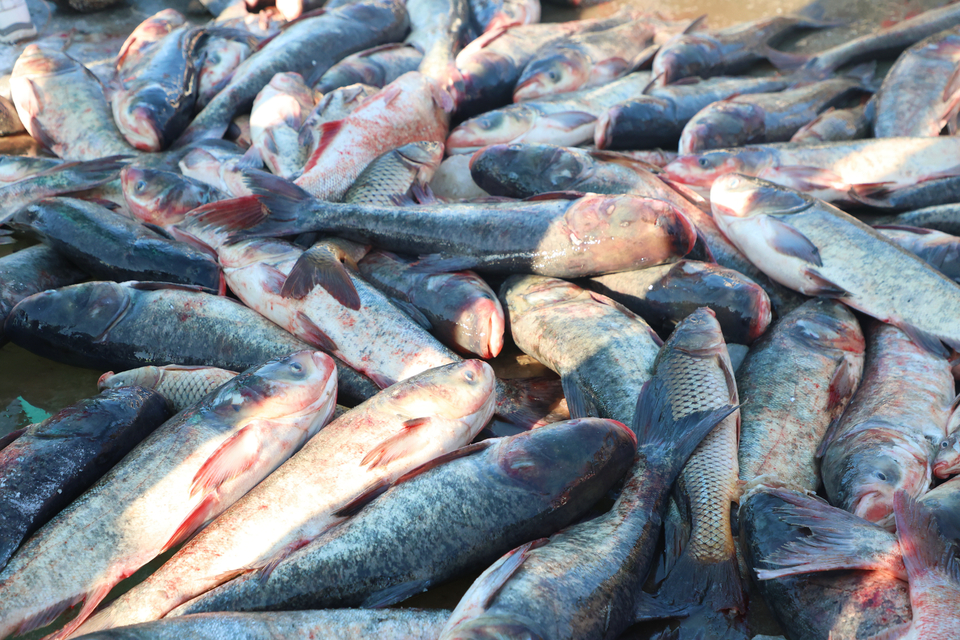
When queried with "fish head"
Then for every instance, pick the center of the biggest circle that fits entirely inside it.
(471, 309)
(461, 391)
(148, 377)
(87, 310)
(492, 628)
(142, 117)
(646, 115)
(28, 218)
(740, 196)
(424, 156)
(702, 169)
(519, 169)
(947, 463)
(686, 56)
(493, 127)
(159, 197)
(724, 124)
(697, 335)
(523, 293)
(299, 384)
(561, 72)
(40, 61)
(556, 459)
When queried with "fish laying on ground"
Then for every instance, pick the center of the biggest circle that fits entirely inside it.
(180, 386)
(939, 250)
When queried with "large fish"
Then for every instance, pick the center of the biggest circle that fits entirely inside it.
(62, 105)
(799, 378)
(887, 438)
(185, 474)
(463, 311)
(30, 271)
(583, 582)
(374, 444)
(162, 197)
(945, 218)
(106, 325)
(53, 462)
(389, 177)
(145, 37)
(335, 105)
(308, 47)
(113, 247)
(376, 67)
(220, 164)
(602, 352)
(278, 111)
(180, 386)
(666, 294)
(501, 493)
(409, 109)
(920, 94)
(816, 249)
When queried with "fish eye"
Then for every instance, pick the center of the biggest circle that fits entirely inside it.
(881, 476)
(296, 366)
(944, 444)
(553, 75)
(469, 376)
(141, 185)
(703, 162)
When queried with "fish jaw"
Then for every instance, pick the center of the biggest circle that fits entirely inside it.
(463, 391)
(558, 73)
(485, 313)
(157, 198)
(947, 463)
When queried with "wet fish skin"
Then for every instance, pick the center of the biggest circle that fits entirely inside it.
(394, 432)
(938, 249)
(46, 87)
(440, 29)
(799, 376)
(851, 604)
(810, 246)
(30, 271)
(835, 125)
(145, 37)
(335, 105)
(220, 58)
(463, 310)
(180, 386)
(762, 117)
(388, 178)
(109, 246)
(375, 67)
(219, 163)
(163, 198)
(666, 294)
(182, 476)
(278, 111)
(488, 15)
(920, 95)
(945, 218)
(14, 168)
(602, 352)
(53, 462)
(307, 48)
(502, 492)
(947, 462)
(334, 624)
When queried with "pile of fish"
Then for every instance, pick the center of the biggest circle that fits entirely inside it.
(292, 243)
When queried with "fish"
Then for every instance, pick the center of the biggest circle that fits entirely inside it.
(376, 67)
(53, 462)
(848, 604)
(305, 47)
(145, 37)
(559, 238)
(332, 624)
(220, 57)
(887, 438)
(763, 117)
(9, 120)
(584, 61)
(30, 271)
(920, 95)
(387, 179)
(835, 125)
(163, 198)
(440, 29)
(502, 492)
(185, 474)
(488, 15)
(461, 308)
(568, 119)
(947, 462)
(410, 109)
(657, 118)
(180, 386)
(377, 442)
(696, 370)
(816, 249)
(335, 105)
(666, 294)
(46, 86)
(113, 247)
(452, 180)
(939, 250)
(107, 325)
(799, 376)
(14, 168)
(220, 164)
(602, 352)
(944, 218)
(278, 111)
(592, 570)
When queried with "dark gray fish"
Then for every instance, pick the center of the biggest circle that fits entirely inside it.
(838, 124)
(29, 271)
(939, 250)
(487, 15)
(105, 325)
(850, 604)
(501, 493)
(335, 624)
(603, 352)
(9, 119)
(375, 67)
(53, 462)
(657, 118)
(308, 47)
(583, 582)
(763, 117)
(944, 218)
(666, 294)
(109, 246)
(440, 29)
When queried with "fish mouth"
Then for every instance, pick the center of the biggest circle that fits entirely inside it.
(946, 468)
(140, 128)
(102, 380)
(530, 88)
(495, 329)
(764, 315)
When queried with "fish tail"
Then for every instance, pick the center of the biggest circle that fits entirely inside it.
(696, 580)
(924, 548)
(530, 402)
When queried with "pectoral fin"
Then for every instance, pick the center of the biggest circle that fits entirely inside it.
(787, 240)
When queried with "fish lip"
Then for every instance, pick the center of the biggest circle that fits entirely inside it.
(101, 381)
(944, 469)
(140, 128)
(496, 329)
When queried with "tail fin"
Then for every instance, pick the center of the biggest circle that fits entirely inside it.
(924, 550)
(714, 584)
(531, 402)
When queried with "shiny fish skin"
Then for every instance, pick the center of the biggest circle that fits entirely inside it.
(180, 386)
(375, 67)
(602, 352)
(501, 493)
(167, 488)
(164, 197)
(278, 111)
(221, 57)
(145, 37)
(46, 86)
(835, 125)
(945, 218)
(219, 163)
(799, 377)
(939, 250)
(369, 444)
(335, 105)
(14, 168)
(389, 177)
(53, 462)
(488, 15)
(440, 29)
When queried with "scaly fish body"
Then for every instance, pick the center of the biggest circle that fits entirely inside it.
(335, 105)
(388, 178)
(939, 250)
(836, 125)
(180, 386)
(145, 37)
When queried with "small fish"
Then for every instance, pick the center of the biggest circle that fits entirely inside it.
(835, 125)
(180, 386)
